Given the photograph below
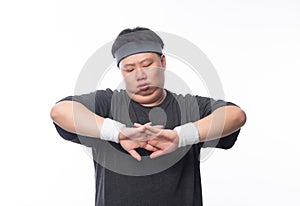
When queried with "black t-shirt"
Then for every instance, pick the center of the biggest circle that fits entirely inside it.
(172, 179)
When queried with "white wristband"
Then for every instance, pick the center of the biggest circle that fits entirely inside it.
(110, 130)
(188, 134)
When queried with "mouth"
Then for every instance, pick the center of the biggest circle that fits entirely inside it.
(144, 87)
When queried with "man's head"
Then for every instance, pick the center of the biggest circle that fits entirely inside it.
(139, 56)
(137, 40)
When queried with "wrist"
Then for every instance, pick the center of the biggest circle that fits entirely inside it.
(187, 134)
(121, 136)
(111, 130)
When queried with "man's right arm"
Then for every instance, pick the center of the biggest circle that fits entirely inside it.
(74, 117)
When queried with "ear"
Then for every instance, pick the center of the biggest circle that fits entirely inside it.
(163, 61)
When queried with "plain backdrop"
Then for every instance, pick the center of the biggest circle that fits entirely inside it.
(253, 45)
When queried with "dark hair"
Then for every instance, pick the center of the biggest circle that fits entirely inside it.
(128, 30)
(125, 37)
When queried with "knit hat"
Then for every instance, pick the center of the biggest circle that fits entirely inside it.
(136, 41)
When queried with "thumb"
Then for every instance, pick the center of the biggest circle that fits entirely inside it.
(157, 154)
(135, 154)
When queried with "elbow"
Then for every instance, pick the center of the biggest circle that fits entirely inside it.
(54, 113)
(57, 112)
(240, 117)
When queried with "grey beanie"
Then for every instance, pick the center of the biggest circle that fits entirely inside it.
(136, 42)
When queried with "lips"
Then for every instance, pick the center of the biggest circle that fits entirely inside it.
(144, 87)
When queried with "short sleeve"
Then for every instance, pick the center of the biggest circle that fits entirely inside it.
(206, 107)
(97, 102)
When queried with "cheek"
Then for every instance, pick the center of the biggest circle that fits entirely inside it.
(129, 82)
(128, 78)
(158, 76)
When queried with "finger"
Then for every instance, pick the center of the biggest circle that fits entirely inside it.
(144, 127)
(148, 124)
(137, 125)
(155, 129)
(150, 134)
(154, 143)
(147, 137)
(157, 154)
(159, 126)
(141, 128)
(135, 155)
(150, 148)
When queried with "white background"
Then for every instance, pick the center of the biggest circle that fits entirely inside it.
(254, 46)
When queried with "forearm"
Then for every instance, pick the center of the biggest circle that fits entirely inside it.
(221, 123)
(76, 118)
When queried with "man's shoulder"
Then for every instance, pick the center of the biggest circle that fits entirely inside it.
(110, 92)
(119, 96)
(183, 96)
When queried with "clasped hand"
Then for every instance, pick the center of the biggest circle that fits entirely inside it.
(153, 138)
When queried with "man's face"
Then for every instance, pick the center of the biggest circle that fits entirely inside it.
(143, 74)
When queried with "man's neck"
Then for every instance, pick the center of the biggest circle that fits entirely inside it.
(158, 101)
(154, 99)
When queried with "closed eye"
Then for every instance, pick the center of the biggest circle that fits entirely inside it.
(148, 64)
(128, 70)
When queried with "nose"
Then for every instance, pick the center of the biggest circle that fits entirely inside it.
(140, 74)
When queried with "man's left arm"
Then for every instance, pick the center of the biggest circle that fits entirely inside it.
(222, 122)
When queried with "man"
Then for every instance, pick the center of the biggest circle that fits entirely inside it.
(146, 140)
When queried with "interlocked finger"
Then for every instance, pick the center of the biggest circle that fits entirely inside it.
(150, 148)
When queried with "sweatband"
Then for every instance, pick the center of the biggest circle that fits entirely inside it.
(188, 134)
(136, 47)
(110, 130)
